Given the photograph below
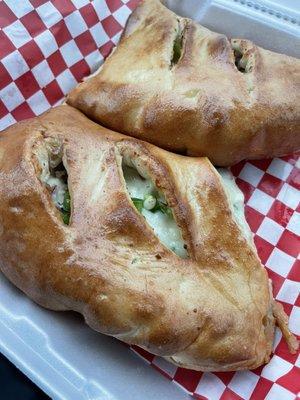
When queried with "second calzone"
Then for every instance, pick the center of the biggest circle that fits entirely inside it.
(178, 85)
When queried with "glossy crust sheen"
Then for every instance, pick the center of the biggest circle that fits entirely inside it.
(210, 312)
(201, 104)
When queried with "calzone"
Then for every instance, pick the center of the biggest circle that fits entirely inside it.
(176, 84)
(151, 247)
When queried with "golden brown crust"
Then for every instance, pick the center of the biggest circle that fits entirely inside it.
(208, 312)
(202, 105)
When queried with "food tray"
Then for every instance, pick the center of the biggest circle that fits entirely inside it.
(46, 47)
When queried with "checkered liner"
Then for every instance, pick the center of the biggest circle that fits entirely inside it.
(46, 47)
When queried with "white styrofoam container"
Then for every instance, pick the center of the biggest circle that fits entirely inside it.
(57, 350)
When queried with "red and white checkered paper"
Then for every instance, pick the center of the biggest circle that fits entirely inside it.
(46, 47)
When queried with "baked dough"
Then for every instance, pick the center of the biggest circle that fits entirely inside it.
(208, 309)
(180, 86)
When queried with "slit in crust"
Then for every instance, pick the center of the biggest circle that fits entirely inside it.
(53, 174)
(244, 60)
(151, 203)
(177, 45)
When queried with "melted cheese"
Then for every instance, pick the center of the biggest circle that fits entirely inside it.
(137, 186)
(58, 188)
(53, 180)
(236, 202)
(164, 226)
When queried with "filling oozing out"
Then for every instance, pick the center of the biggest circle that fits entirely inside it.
(236, 201)
(55, 177)
(153, 206)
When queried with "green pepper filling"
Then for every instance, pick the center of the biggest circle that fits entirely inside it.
(138, 203)
(177, 47)
(66, 208)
